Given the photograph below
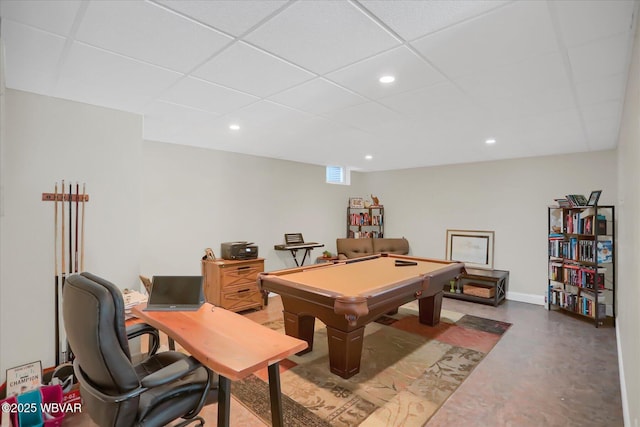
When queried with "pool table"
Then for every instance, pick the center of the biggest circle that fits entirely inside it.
(347, 295)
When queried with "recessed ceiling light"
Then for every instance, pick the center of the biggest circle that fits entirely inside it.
(490, 141)
(368, 157)
(234, 126)
(387, 79)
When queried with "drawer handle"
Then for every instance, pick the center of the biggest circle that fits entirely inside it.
(243, 290)
(244, 268)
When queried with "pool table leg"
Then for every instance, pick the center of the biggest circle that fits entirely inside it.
(301, 327)
(430, 308)
(345, 351)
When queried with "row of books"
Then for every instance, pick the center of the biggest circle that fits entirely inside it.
(600, 251)
(579, 223)
(575, 275)
(363, 218)
(365, 234)
(581, 304)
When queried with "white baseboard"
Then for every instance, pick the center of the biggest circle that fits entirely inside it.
(528, 298)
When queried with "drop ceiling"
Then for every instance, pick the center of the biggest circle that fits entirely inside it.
(300, 78)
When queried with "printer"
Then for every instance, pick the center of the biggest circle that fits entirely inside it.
(238, 250)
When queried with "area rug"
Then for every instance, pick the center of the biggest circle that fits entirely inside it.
(408, 370)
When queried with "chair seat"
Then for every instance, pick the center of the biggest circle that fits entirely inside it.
(159, 402)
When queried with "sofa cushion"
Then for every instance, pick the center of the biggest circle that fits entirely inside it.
(354, 248)
(391, 246)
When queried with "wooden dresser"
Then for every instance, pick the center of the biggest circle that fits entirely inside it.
(233, 284)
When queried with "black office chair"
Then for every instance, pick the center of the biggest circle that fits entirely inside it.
(164, 387)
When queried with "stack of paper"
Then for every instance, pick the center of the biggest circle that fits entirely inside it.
(132, 298)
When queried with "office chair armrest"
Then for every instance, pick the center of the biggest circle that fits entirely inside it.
(171, 372)
(140, 329)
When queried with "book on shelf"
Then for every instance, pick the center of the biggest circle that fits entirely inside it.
(605, 251)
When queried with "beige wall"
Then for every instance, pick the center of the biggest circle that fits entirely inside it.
(47, 140)
(508, 197)
(628, 325)
(195, 198)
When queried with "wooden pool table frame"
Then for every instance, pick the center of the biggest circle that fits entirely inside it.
(346, 313)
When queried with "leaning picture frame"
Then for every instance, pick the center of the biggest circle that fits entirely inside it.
(356, 202)
(473, 247)
(594, 197)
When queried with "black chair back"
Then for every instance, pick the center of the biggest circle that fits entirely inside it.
(93, 312)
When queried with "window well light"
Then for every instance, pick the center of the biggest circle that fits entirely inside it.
(387, 79)
(490, 141)
(234, 126)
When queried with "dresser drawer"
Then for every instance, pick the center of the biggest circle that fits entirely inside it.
(237, 275)
(241, 297)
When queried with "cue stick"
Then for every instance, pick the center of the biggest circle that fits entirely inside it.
(62, 251)
(67, 353)
(75, 266)
(57, 285)
(84, 195)
(70, 230)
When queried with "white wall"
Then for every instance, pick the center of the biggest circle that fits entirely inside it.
(196, 198)
(508, 197)
(628, 324)
(47, 140)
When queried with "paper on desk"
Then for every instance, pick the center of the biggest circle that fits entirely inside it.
(132, 298)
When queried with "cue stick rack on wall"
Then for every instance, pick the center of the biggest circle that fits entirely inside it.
(71, 242)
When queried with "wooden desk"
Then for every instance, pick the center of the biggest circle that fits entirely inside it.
(229, 344)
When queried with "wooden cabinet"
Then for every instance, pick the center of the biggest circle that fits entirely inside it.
(364, 223)
(478, 285)
(232, 284)
(582, 256)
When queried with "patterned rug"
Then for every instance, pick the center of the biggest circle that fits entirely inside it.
(408, 370)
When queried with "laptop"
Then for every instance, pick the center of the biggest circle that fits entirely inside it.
(176, 293)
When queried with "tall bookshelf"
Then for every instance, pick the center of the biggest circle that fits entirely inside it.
(582, 259)
(364, 223)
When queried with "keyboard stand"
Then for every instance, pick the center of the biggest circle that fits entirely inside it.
(295, 248)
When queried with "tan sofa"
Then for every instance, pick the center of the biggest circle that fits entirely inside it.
(354, 248)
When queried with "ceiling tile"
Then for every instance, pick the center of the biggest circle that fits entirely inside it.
(231, 16)
(412, 19)
(250, 70)
(603, 134)
(428, 101)
(167, 122)
(583, 21)
(555, 97)
(517, 78)
(318, 96)
(34, 56)
(509, 34)
(206, 96)
(264, 115)
(328, 35)
(150, 33)
(607, 88)
(364, 116)
(50, 15)
(600, 58)
(604, 110)
(99, 77)
(410, 71)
